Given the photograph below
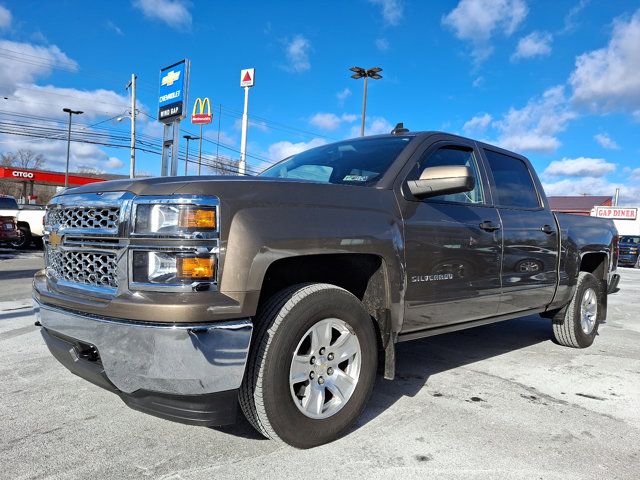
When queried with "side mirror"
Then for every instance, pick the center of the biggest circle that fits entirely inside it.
(445, 180)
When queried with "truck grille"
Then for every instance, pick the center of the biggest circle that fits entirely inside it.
(103, 218)
(84, 268)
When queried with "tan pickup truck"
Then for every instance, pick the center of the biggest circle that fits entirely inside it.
(283, 293)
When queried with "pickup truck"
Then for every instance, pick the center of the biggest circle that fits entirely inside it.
(30, 221)
(629, 248)
(287, 292)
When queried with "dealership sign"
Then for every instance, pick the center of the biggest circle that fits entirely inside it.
(174, 83)
(198, 115)
(617, 213)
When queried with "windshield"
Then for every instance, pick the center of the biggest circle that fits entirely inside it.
(351, 162)
(635, 240)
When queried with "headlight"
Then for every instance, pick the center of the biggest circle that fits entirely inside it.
(170, 220)
(169, 268)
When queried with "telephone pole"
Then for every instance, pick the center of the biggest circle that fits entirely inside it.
(66, 171)
(132, 160)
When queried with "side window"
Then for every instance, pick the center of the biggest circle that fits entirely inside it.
(514, 185)
(453, 156)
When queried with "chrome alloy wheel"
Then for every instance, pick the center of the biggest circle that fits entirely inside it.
(325, 368)
(588, 310)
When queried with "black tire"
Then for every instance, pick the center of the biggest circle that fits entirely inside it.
(567, 327)
(24, 240)
(265, 396)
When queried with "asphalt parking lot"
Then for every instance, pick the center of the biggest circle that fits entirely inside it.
(500, 401)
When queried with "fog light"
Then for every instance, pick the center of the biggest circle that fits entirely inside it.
(195, 267)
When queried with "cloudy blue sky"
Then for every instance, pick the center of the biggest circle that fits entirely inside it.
(555, 80)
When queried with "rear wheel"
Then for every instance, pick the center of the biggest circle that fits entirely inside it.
(312, 366)
(24, 238)
(576, 325)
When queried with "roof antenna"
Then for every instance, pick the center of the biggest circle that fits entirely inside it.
(399, 129)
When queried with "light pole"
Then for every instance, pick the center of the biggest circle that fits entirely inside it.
(366, 74)
(132, 160)
(66, 172)
(186, 160)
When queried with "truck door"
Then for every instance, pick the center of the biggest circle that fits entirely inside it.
(529, 232)
(452, 246)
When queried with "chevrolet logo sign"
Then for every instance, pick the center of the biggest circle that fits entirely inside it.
(170, 78)
(55, 239)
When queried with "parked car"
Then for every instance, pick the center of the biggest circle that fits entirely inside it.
(8, 230)
(187, 296)
(30, 220)
(629, 246)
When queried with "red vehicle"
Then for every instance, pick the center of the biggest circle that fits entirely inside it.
(9, 232)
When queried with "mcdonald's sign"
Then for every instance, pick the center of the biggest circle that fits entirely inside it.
(198, 115)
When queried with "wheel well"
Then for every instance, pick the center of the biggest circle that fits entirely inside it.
(594, 263)
(361, 274)
(24, 224)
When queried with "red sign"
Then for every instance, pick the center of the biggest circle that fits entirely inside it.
(618, 213)
(247, 77)
(38, 176)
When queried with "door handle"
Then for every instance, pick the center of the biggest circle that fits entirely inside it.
(547, 229)
(489, 226)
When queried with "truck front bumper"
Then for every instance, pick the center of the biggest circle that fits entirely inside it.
(186, 373)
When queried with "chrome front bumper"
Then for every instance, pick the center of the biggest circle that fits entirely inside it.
(169, 359)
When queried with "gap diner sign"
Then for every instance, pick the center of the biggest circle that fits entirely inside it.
(617, 213)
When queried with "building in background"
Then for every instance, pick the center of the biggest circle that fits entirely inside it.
(580, 204)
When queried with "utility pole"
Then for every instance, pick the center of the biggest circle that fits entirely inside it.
(186, 160)
(366, 74)
(132, 161)
(66, 172)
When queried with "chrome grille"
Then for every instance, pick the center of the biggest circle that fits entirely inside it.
(103, 218)
(84, 268)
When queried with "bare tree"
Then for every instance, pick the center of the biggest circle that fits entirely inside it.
(23, 158)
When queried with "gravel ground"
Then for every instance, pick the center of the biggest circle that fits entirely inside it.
(500, 401)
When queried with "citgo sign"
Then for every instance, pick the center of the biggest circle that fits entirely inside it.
(21, 174)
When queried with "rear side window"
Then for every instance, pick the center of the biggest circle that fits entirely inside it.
(514, 185)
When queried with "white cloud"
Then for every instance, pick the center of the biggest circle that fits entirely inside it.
(382, 44)
(297, 52)
(579, 167)
(174, 13)
(373, 126)
(5, 18)
(636, 173)
(392, 10)
(607, 79)
(23, 63)
(477, 124)
(606, 141)
(109, 25)
(534, 127)
(331, 121)
(281, 150)
(342, 95)
(476, 21)
(478, 82)
(570, 19)
(536, 44)
(629, 194)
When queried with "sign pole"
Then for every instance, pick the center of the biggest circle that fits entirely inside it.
(166, 143)
(174, 148)
(245, 125)
(132, 162)
(200, 151)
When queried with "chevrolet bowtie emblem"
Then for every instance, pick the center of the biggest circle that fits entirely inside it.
(170, 78)
(55, 239)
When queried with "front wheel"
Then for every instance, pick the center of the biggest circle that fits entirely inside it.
(576, 325)
(312, 367)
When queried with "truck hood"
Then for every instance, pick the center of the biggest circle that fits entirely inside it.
(172, 185)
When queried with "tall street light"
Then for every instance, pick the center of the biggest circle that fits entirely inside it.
(66, 172)
(186, 160)
(366, 74)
